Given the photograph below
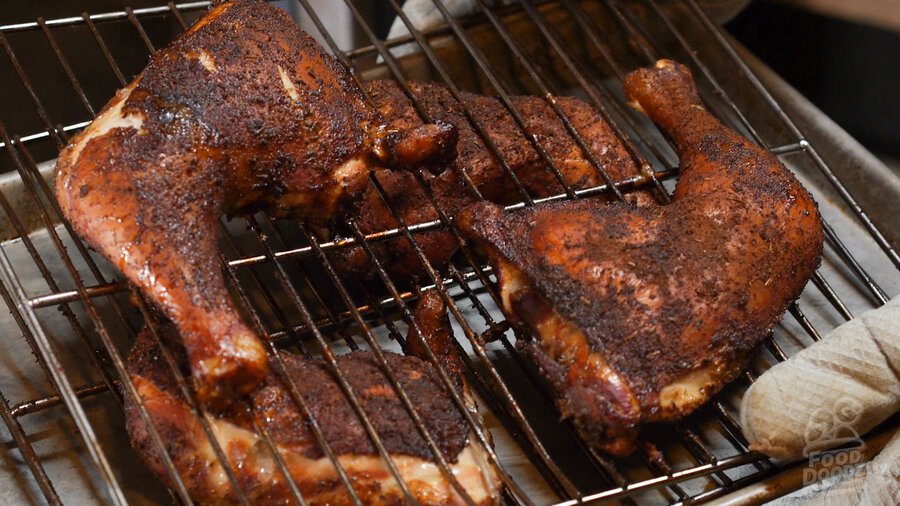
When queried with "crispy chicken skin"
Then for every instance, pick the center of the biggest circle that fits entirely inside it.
(478, 163)
(253, 463)
(243, 112)
(640, 314)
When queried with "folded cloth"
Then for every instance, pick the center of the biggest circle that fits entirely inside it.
(830, 392)
(828, 395)
(876, 483)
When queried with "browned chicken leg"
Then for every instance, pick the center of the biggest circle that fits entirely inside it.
(253, 463)
(640, 314)
(243, 112)
(477, 162)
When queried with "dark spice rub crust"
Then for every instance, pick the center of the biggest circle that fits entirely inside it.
(242, 112)
(475, 161)
(328, 404)
(275, 410)
(640, 314)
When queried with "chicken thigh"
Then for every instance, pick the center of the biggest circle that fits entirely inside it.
(242, 112)
(254, 464)
(640, 314)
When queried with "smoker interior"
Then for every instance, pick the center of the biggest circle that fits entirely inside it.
(72, 320)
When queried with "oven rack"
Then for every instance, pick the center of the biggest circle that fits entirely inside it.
(283, 276)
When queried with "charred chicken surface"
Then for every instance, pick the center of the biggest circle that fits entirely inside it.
(640, 313)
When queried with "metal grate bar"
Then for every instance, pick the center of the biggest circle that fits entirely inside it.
(59, 378)
(284, 378)
(775, 349)
(45, 135)
(31, 459)
(39, 107)
(65, 65)
(379, 354)
(140, 30)
(49, 401)
(106, 16)
(104, 49)
(177, 15)
(825, 287)
(333, 367)
(675, 477)
(798, 315)
(879, 296)
(790, 149)
(657, 464)
(699, 451)
(595, 100)
(331, 318)
(440, 28)
(259, 428)
(9, 417)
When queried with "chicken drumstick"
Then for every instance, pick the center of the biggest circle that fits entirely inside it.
(640, 314)
(243, 112)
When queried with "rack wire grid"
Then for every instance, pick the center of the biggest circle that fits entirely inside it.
(78, 318)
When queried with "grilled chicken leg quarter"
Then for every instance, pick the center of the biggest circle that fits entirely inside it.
(243, 112)
(640, 313)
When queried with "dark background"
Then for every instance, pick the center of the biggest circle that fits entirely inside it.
(850, 71)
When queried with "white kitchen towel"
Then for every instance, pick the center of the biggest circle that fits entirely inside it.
(830, 394)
